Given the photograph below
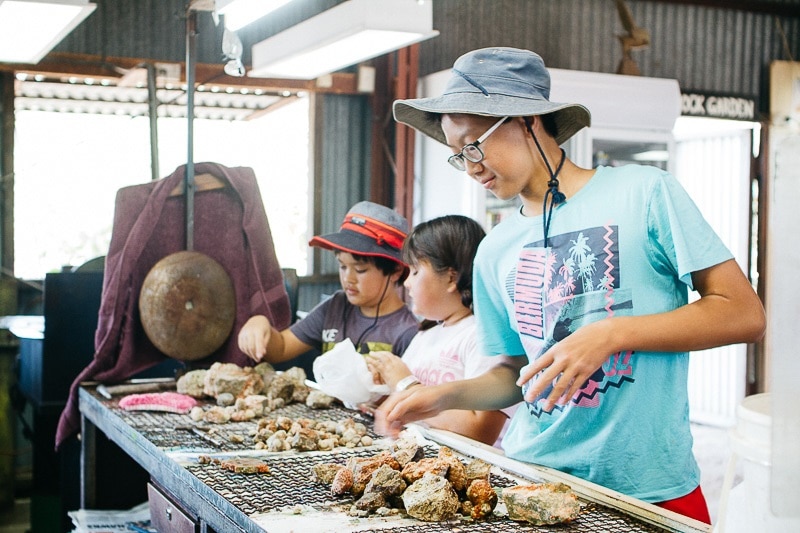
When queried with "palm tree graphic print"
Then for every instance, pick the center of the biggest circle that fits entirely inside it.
(558, 289)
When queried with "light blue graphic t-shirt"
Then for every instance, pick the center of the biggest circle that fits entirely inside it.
(625, 244)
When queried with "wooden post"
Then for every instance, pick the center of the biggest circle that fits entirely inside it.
(406, 87)
(7, 118)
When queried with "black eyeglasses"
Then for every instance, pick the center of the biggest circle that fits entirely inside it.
(472, 151)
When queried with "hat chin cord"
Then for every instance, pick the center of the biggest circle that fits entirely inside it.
(553, 194)
(346, 315)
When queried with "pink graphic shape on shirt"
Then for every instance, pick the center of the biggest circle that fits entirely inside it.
(528, 304)
(609, 272)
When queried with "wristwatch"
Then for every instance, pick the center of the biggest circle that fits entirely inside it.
(406, 382)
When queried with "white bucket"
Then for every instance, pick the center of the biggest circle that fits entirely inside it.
(745, 508)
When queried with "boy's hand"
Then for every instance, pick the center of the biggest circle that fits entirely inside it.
(566, 365)
(254, 337)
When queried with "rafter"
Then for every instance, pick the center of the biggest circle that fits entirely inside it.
(59, 66)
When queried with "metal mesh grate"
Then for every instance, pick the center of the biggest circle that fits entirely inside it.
(290, 483)
(170, 430)
(593, 519)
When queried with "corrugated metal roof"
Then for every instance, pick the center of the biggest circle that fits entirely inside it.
(97, 97)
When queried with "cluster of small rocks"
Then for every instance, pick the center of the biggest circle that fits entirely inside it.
(303, 434)
(237, 465)
(245, 393)
(429, 489)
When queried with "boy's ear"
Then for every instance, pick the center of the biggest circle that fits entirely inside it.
(529, 122)
(397, 274)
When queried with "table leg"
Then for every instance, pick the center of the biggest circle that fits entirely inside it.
(88, 470)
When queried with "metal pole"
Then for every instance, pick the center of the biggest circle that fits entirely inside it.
(152, 101)
(191, 34)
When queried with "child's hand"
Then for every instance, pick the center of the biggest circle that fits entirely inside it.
(254, 337)
(412, 405)
(387, 368)
(567, 365)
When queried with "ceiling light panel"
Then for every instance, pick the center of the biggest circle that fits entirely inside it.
(29, 29)
(349, 33)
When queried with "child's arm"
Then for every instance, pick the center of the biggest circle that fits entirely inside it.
(483, 426)
(727, 312)
(260, 341)
(493, 390)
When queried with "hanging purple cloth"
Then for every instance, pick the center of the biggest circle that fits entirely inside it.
(230, 226)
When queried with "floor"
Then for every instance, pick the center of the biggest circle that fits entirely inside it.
(711, 447)
(713, 450)
(17, 518)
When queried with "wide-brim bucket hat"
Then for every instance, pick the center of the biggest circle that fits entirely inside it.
(368, 229)
(494, 82)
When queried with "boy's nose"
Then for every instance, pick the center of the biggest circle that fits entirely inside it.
(472, 169)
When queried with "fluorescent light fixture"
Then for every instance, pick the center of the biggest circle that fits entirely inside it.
(344, 35)
(29, 29)
(240, 13)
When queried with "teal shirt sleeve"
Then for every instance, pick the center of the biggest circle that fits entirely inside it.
(680, 237)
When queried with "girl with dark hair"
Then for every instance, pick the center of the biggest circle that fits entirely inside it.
(440, 254)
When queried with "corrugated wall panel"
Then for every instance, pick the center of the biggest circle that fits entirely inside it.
(710, 49)
(156, 29)
(345, 153)
(705, 48)
(143, 28)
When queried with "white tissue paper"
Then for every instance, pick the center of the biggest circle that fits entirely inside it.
(342, 372)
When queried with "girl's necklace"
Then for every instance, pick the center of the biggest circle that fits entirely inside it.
(450, 321)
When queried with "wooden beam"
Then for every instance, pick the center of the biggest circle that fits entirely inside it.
(315, 145)
(407, 75)
(382, 169)
(64, 65)
(7, 173)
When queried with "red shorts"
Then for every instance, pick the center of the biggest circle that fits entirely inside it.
(692, 505)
